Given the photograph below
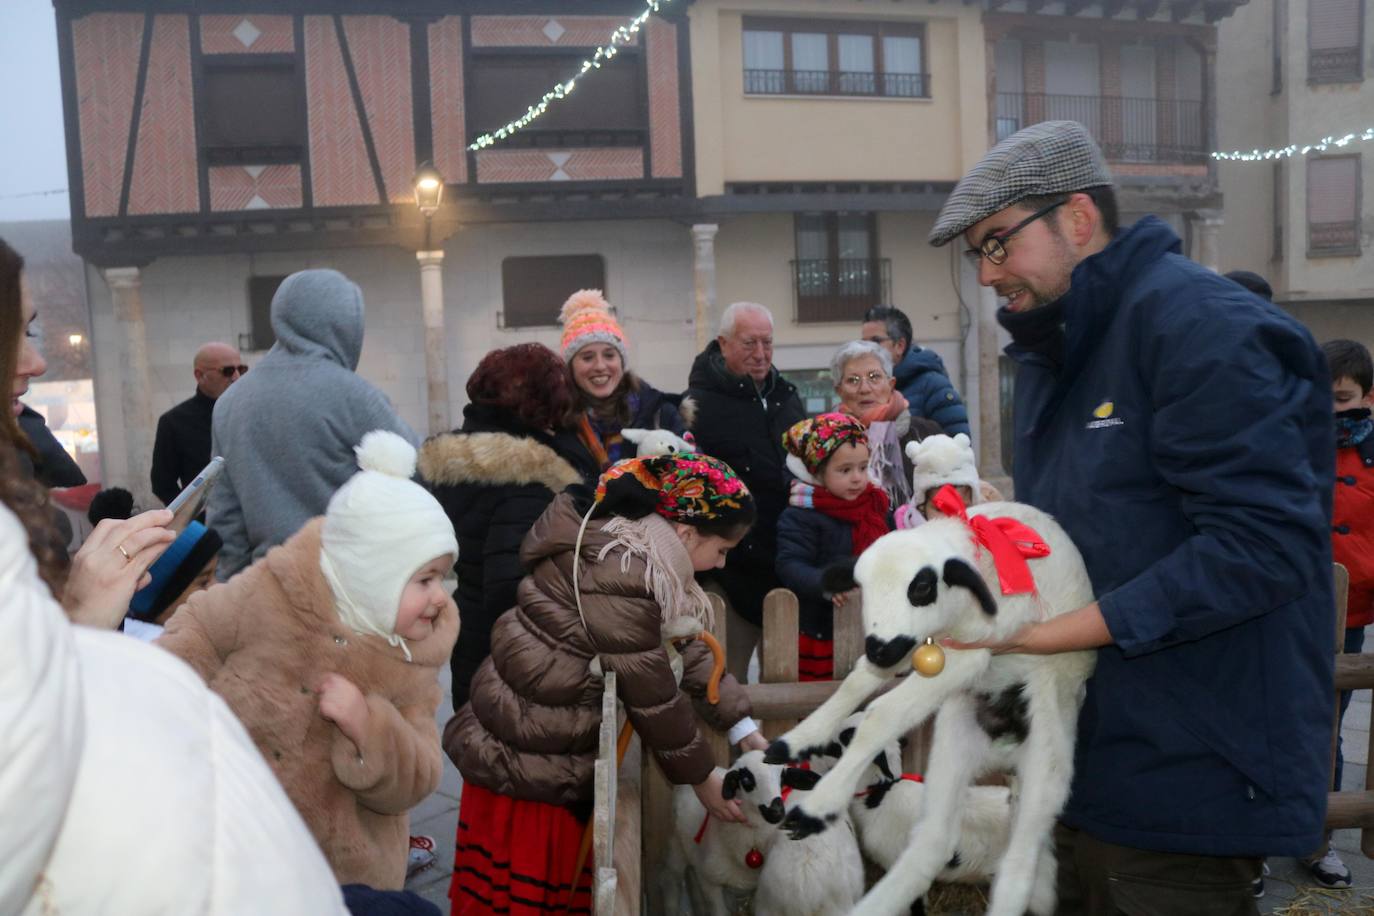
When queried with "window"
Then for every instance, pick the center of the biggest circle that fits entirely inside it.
(837, 274)
(1334, 48)
(251, 111)
(609, 110)
(533, 289)
(820, 57)
(1333, 206)
(260, 292)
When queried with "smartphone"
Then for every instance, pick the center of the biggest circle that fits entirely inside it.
(190, 502)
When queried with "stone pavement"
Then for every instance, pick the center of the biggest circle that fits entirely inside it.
(1288, 887)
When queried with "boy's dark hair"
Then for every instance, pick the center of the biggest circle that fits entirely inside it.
(894, 320)
(1350, 359)
(1253, 282)
(1103, 197)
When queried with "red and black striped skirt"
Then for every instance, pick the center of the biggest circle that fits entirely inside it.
(815, 658)
(516, 857)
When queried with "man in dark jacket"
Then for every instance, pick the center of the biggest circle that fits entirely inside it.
(1179, 428)
(181, 449)
(744, 405)
(920, 373)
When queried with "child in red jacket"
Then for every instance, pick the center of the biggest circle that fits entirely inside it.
(1352, 525)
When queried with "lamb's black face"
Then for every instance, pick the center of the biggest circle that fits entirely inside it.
(886, 653)
(773, 812)
(736, 781)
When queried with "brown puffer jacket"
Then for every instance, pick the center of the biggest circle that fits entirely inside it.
(530, 728)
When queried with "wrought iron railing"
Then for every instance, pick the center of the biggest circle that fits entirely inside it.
(1334, 238)
(1127, 129)
(1334, 65)
(839, 290)
(574, 138)
(837, 82)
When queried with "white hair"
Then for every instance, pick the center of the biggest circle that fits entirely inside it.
(735, 309)
(851, 351)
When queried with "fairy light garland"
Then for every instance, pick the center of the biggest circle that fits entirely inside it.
(605, 53)
(1321, 146)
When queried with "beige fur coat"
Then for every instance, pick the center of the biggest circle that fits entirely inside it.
(264, 641)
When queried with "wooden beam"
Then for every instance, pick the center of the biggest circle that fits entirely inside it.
(1354, 672)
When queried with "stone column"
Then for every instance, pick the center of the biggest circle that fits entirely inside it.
(126, 291)
(989, 430)
(704, 280)
(436, 348)
(1207, 238)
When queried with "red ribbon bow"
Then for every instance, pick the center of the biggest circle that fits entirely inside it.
(1009, 541)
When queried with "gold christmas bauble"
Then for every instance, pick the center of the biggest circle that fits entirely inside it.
(929, 660)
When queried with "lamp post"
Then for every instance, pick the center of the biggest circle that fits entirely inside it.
(429, 193)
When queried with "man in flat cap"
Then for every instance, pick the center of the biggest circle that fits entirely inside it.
(1179, 428)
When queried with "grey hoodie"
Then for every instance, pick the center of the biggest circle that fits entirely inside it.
(287, 429)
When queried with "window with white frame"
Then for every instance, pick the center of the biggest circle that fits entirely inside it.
(825, 57)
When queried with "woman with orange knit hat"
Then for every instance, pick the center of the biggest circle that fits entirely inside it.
(609, 397)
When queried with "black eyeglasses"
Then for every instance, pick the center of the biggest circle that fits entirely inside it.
(231, 371)
(994, 247)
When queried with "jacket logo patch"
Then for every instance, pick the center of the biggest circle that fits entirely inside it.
(1103, 414)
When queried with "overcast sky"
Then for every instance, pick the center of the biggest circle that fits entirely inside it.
(33, 152)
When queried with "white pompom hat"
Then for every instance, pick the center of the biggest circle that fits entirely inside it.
(379, 529)
(938, 460)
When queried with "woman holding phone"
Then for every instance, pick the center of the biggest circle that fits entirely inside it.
(96, 586)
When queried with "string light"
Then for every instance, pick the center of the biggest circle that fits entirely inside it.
(1285, 152)
(605, 53)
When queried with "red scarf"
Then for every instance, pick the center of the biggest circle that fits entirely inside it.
(865, 513)
(1009, 541)
(894, 408)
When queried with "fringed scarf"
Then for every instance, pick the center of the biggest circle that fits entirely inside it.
(887, 423)
(668, 571)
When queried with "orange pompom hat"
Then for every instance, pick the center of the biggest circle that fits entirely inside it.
(586, 318)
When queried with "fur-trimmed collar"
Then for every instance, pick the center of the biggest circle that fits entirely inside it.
(493, 459)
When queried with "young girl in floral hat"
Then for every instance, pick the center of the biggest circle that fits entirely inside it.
(836, 511)
(610, 588)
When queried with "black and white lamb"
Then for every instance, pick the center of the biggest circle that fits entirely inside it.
(1012, 712)
(724, 857)
(820, 875)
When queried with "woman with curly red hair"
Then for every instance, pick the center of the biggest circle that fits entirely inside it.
(494, 477)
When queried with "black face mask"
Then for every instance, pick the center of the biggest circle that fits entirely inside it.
(1354, 413)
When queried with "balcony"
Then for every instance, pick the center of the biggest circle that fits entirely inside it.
(1333, 239)
(839, 290)
(1128, 130)
(1334, 65)
(837, 82)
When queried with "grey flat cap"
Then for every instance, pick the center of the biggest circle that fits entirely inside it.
(1052, 157)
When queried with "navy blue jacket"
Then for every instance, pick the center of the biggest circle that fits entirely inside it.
(1180, 429)
(808, 542)
(925, 384)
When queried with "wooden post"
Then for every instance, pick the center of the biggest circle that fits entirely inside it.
(778, 649)
(628, 834)
(657, 812)
(720, 744)
(604, 798)
(849, 636)
(1341, 580)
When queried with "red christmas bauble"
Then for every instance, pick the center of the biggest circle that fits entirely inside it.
(753, 858)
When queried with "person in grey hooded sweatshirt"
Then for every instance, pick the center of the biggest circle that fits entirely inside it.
(287, 429)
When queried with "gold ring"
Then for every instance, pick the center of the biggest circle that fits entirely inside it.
(120, 548)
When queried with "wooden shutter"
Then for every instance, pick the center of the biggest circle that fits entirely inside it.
(1331, 190)
(1333, 24)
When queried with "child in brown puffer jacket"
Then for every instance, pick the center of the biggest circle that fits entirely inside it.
(527, 739)
(328, 651)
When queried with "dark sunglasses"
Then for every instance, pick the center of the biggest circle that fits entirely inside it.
(994, 247)
(231, 371)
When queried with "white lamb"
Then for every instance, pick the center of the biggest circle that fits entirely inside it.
(1010, 712)
(658, 441)
(720, 853)
(817, 876)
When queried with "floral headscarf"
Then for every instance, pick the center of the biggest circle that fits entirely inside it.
(816, 439)
(684, 487)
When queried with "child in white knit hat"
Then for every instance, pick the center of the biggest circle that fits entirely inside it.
(328, 650)
(936, 461)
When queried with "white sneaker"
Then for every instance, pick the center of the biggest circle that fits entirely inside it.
(1329, 870)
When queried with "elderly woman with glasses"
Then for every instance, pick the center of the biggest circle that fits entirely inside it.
(867, 389)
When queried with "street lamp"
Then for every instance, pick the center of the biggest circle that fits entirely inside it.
(429, 194)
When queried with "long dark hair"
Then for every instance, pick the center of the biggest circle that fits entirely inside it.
(19, 492)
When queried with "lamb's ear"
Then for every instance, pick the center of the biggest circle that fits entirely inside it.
(634, 435)
(797, 778)
(729, 787)
(847, 736)
(838, 577)
(957, 572)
